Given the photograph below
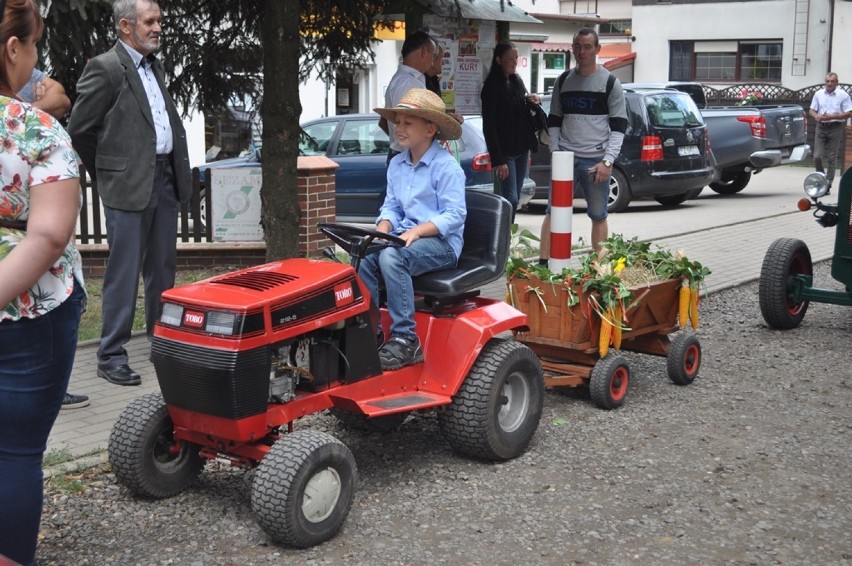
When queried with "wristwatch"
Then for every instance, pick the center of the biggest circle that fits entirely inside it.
(607, 163)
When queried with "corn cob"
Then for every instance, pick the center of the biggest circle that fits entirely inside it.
(683, 304)
(606, 333)
(693, 307)
(616, 329)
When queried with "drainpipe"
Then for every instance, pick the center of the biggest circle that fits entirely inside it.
(830, 31)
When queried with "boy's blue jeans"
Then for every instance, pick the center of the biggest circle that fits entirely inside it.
(397, 266)
(36, 356)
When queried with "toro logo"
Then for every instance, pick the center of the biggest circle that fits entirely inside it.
(343, 294)
(195, 319)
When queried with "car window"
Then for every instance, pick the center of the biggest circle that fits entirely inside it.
(362, 137)
(316, 137)
(672, 111)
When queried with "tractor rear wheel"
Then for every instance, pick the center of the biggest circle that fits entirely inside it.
(497, 409)
(609, 381)
(785, 258)
(683, 359)
(303, 488)
(144, 454)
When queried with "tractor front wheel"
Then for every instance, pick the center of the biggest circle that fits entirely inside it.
(497, 409)
(609, 381)
(785, 259)
(303, 488)
(144, 454)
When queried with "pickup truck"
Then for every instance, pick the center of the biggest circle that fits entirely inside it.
(746, 139)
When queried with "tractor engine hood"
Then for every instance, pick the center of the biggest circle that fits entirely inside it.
(283, 297)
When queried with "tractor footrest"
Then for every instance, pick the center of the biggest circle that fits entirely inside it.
(409, 401)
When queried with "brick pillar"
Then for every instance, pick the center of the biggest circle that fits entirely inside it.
(316, 184)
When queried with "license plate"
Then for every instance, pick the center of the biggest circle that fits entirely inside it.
(687, 150)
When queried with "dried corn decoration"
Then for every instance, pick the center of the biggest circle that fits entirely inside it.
(617, 326)
(693, 306)
(606, 335)
(683, 303)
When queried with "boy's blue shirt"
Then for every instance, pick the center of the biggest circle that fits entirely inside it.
(432, 190)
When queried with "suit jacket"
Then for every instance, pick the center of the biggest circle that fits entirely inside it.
(112, 129)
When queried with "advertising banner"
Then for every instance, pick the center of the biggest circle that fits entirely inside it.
(235, 194)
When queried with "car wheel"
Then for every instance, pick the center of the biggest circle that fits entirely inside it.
(694, 193)
(619, 192)
(730, 185)
(672, 200)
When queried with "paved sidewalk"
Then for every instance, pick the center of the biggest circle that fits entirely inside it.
(734, 253)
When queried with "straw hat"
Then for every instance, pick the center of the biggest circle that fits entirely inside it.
(427, 105)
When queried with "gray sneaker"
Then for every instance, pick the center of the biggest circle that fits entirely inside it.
(399, 352)
(72, 401)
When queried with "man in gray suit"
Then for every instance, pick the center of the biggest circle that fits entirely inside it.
(129, 135)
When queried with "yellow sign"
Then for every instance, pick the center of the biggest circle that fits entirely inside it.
(382, 32)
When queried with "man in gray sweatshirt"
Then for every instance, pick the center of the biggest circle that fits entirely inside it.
(587, 116)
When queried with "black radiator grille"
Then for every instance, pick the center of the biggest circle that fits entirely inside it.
(231, 385)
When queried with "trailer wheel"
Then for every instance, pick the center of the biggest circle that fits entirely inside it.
(731, 185)
(144, 454)
(364, 423)
(609, 381)
(786, 258)
(683, 359)
(303, 488)
(497, 409)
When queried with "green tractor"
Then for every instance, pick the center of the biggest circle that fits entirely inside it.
(786, 278)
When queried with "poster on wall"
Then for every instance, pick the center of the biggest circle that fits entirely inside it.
(468, 83)
(235, 195)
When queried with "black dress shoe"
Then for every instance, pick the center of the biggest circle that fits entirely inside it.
(120, 375)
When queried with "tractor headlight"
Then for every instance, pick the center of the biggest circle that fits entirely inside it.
(816, 185)
(221, 323)
(172, 314)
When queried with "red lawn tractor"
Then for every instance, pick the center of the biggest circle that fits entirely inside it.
(241, 357)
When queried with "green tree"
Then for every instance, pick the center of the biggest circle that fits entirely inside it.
(216, 51)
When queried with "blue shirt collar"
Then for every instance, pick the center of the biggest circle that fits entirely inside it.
(427, 157)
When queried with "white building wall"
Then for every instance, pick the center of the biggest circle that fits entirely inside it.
(841, 62)
(655, 26)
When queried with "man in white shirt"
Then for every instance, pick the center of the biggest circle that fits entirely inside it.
(418, 55)
(830, 108)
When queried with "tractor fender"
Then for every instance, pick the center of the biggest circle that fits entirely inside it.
(453, 344)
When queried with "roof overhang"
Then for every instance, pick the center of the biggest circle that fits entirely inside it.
(479, 10)
(580, 18)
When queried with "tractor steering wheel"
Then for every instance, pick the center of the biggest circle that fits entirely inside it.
(359, 242)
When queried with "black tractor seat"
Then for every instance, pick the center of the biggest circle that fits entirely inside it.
(483, 257)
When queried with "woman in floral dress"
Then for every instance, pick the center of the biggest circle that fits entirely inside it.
(41, 291)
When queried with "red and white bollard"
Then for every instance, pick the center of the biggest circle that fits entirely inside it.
(561, 209)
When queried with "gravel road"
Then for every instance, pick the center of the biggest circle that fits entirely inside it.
(751, 464)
